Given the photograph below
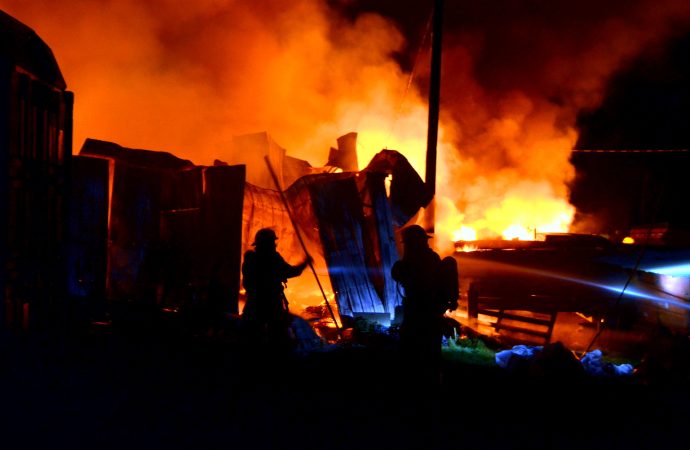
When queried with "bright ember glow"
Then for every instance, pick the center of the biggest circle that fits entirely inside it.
(527, 211)
(465, 233)
(517, 232)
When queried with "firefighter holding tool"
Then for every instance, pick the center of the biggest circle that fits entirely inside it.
(264, 275)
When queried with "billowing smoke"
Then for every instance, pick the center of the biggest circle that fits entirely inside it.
(188, 76)
(515, 76)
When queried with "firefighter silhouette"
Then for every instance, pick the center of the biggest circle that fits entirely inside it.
(419, 273)
(264, 275)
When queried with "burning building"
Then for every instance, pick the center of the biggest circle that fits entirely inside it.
(137, 227)
(508, 123)
(173, 227)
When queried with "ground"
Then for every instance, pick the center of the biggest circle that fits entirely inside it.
(119, 388)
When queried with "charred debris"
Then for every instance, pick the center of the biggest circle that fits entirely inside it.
(118, 233)
(150, 230)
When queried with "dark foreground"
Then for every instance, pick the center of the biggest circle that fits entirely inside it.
(119, 389)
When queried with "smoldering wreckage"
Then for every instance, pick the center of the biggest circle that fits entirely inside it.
(191, 224)
(115, 235)
(175, 228)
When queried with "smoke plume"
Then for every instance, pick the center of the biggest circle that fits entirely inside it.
(187, 77)
(515, 77)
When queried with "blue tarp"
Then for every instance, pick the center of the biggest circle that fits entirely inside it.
(592, 362)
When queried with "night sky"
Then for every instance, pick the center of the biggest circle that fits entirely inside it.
(646, 107)
(647, 104)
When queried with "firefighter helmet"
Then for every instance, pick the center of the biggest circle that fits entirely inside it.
(264, 236)
(414, 233)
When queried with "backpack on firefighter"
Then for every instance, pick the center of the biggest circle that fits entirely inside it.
(449, 288)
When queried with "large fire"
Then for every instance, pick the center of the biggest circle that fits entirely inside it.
(512, 203)
(186, 80)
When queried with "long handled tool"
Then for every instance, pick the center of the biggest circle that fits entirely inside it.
(301, 241)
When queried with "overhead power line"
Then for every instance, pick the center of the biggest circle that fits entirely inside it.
(672, 150)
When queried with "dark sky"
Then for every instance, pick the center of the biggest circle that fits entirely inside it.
(647, 105)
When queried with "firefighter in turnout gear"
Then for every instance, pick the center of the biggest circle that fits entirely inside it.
(430, 289)
(264, 275)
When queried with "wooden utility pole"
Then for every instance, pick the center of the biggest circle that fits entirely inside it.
(434, 100)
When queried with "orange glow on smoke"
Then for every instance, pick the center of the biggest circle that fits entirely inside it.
(187, 80)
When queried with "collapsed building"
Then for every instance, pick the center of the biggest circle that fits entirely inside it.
(87, 235)
(149, 228)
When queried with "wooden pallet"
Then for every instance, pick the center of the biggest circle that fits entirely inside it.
(514, 314)
(518, 320)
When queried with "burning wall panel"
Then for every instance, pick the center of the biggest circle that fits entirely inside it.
(408, 193)
(346, 227)
(341, 223)
(294, 169)
(264, 208)
(250, 149)
(378, 215)
(299, 198)
(345, 156)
